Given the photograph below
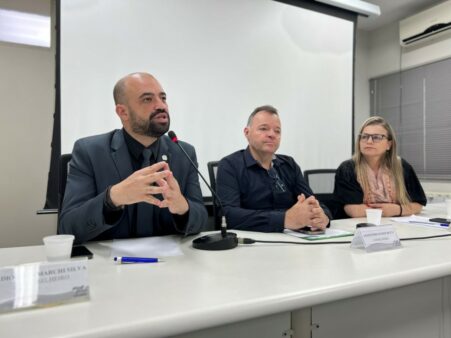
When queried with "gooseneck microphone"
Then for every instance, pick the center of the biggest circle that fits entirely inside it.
(220, 241)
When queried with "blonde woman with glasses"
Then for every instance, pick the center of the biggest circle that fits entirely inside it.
(376, 177)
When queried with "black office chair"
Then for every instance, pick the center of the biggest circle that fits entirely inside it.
(322, 182)
(63, 171)
(212, 172)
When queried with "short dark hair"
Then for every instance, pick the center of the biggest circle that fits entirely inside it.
(268, 108)
(119, 91)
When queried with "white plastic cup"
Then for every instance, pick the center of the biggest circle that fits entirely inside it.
(373, 216)
(58, 247)
(448, 207)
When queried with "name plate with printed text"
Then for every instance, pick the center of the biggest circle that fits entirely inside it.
(43, 284)
(377, 238)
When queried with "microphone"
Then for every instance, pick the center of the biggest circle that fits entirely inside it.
(223, 240)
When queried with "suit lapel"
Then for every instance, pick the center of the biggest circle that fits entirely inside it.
(165, 153)
(122, 161)
(120, 155)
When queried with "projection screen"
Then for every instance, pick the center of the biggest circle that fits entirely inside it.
(217, 60)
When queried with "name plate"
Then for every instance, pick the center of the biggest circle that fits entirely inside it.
(377, 238)
(43, 284)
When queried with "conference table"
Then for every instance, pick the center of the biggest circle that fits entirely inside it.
(258, 290)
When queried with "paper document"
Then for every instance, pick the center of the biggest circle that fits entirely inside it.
(419, 220)
(330, 233)
(146, 247)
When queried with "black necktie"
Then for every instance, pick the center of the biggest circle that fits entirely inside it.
(144, 219)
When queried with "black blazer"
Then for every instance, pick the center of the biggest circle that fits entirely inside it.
(104, 160)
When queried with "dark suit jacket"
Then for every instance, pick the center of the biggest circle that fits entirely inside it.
(104, 160)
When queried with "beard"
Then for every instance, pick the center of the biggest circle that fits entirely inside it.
(149, 127)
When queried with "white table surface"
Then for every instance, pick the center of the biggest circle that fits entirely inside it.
(204, 289)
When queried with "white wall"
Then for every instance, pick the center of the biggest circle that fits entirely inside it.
(384, 51)
(26, 121)
(377, 54)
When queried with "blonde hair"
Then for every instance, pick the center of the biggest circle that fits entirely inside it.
(390, 160)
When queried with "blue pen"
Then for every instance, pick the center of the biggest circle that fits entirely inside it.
(430, 223)
(124, 260)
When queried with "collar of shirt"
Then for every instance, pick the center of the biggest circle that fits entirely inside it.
(249, 161)
(135, 148)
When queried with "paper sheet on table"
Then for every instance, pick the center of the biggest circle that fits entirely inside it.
(146, 247)
(330, 233)
(417, 220)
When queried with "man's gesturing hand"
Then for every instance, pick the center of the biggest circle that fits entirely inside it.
(141, 186)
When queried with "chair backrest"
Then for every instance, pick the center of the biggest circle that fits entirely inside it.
(63, 171)
(212, 173)
(321, 180)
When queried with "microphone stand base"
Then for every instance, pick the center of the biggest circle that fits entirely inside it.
(216, 242)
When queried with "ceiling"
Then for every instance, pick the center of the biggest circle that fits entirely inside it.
(393, 11)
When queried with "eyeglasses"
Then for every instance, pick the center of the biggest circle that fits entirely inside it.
(278, 184)
(375, 137)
